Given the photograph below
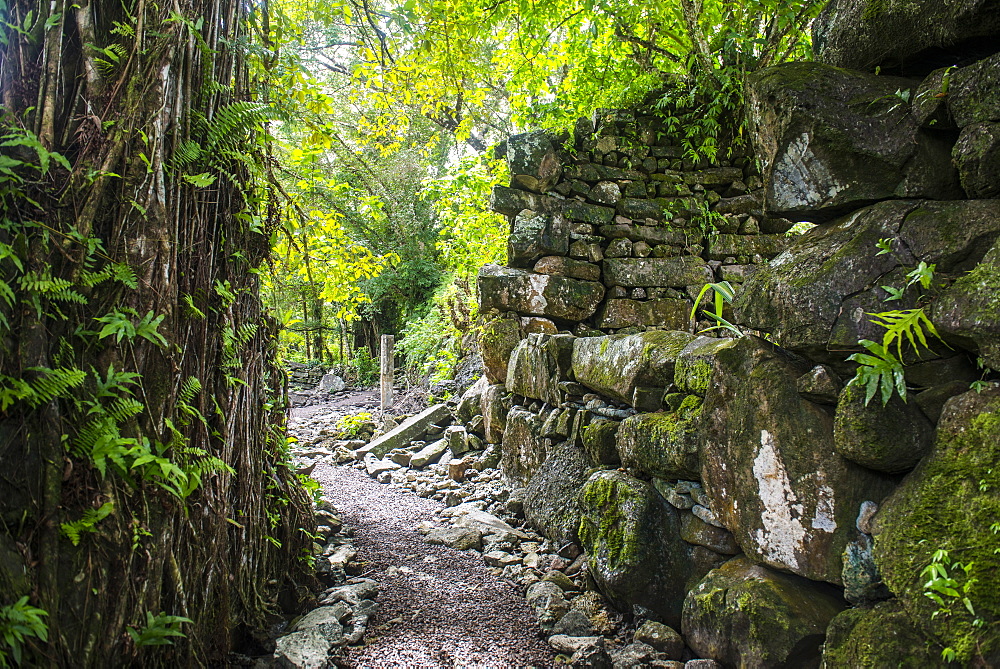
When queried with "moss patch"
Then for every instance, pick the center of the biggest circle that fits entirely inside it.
(950, 502)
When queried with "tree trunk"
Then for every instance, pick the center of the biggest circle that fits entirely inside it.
(128, 253)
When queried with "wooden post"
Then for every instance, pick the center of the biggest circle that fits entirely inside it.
(387, 369)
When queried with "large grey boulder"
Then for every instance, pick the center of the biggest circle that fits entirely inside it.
(534, 235)
(770, 469)
(746, 615)
(617, 365)
(632, 539)
(906, 35)
(815, 297)
(974, 92)
(308, 649)
(533, 162)
(410, 429)
(523, 449)
(510, 289)
(538, 365)
(970, 309)
(551, 501)
(833, 140)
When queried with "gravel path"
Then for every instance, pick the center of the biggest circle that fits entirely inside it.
(439, 607)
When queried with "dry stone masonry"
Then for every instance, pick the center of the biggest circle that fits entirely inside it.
(740, 490)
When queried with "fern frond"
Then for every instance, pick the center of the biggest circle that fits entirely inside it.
(190, 388)
(52, 384)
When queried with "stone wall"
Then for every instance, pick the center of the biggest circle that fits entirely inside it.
(739, 488)
(616, 230)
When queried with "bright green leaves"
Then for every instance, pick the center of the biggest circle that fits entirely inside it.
(87, 523)
(20, 621)
(158, 630)
(119, 324)
(879, 370)
(908, 325)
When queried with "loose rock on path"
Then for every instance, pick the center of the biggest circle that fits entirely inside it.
(439, 607)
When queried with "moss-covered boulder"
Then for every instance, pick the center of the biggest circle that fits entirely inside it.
(974, 92)
(551, 499)
(887, 438)
(833, 141)
(510, 289)
(533, 161)
(693, 368)
(634, 550)
(769, 466)
(970, 308)
(600, 441)
(618, 364)
(665, 444)
(534, 235)
(878, 637)
(950, 502)
(497, 339)
(538, 365)
(815, 297)
(977, 157)
(912, 36)
(649, 272)
(523, 449)
(746, 615)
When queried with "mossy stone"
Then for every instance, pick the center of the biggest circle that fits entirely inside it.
(551, 500)
(633, 545)
(664, 444)
(616, 364)
(970, 308)
(769, 466)
(746, 615)
(693, 369)
(497, 339)
(523, 450)
(878, 637)
(600, 439)
(887, 438)
(951, 501)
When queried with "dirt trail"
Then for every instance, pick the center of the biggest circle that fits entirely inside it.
(439, 607)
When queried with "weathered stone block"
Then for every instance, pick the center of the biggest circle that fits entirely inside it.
(551, 501)
(770, 468)
(977, 157)
(497, 340)
(950, 501)
(862, 35)
(538, 365)
(664, 444)
(646, 272)
(534, 235)
(563, 266)
(410, 429)
(632, 539)
(509, 289)
(623, 313)
(695, 362)
(523, 449)
(970, 308)
(615, 365)
(815, 296)
(534, 164)
(766, 246)
(890, 438)
(834, 140)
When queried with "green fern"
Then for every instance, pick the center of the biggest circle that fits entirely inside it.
(20, 621)
(906, 325)
(88, 523)
(49, 384)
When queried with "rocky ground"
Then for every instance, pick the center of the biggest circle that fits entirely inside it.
(431, 562)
